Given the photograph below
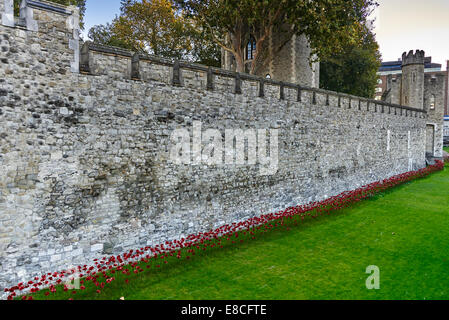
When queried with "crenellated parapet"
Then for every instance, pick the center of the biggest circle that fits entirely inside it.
(411, 57)
(55, 28)
(119, 64)
(51, 25)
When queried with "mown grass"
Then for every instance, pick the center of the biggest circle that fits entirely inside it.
(405, 232)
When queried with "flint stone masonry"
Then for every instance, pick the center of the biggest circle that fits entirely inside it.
(84, 157)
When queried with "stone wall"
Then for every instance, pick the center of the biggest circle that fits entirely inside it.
(84, 156)
(434, 86)
(393, 89)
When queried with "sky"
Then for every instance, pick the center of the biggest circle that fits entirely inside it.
(99, 12)
(404, 25)
(401, 25)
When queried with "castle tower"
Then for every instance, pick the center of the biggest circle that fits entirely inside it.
(294, 63)
(291, 64)
(412, 89)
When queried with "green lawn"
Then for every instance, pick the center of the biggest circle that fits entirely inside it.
(405, 232)
(446, 149)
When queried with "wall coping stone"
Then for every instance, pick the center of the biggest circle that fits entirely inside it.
(49, 6)
(237, 76)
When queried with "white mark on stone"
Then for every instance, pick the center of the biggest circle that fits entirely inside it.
(388, 140)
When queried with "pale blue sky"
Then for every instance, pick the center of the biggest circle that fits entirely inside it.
(402, 25)
(100, 12)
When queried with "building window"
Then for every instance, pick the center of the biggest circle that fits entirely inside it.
(379, 81)
(378, 90)
(251, 49)
(268, 76)
(432, 102)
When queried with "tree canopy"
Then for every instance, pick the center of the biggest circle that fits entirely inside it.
(353, 71)
(330, 25)
(104, 34)
(159, 28)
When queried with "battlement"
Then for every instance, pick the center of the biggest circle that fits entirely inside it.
(55, 24)
(413, 58)
(118, 63)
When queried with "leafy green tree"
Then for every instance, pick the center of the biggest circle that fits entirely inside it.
(80, 3)
(330, 25)
(157, 27)
(153, 26)
(204, 50)
(104, 34)
(353, 71)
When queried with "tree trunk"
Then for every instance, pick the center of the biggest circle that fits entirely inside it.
(240, 63)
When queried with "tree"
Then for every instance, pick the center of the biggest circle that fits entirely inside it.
(156, 27)
(330, 25)
(81, 4)
(204, 49)
(354, 71)
(104, 34)
(153, 26)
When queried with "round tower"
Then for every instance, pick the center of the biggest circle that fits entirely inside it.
(412, 89)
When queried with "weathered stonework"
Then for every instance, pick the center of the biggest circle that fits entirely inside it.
(84, 157)
(293, 63)
(425, 91)
(412, 85)
(434, 105)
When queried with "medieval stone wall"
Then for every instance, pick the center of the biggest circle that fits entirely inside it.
(434, 88)
(85, 156)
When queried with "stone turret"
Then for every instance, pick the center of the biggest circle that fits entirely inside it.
(412, 90)
(7, 13)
